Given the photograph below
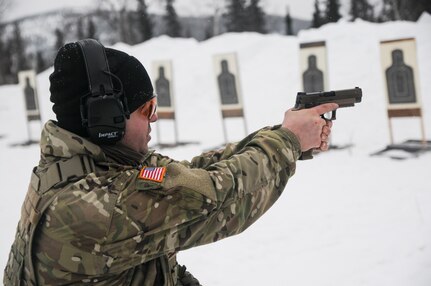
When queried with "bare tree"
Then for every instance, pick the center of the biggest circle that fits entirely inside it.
(4, 6)
(218, 8)
(118, 16)
(173, 26)
(317, 16)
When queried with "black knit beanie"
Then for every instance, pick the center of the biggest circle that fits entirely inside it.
(69, 83)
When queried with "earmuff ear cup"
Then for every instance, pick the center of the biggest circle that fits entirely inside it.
(106, 121)
(103, 110)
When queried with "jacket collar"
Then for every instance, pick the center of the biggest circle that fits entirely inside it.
(57, 142)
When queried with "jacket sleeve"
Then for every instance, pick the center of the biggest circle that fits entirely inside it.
(206, 159)
(195, 206)
(211, 157)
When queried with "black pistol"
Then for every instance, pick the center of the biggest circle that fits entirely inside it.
(344, 98)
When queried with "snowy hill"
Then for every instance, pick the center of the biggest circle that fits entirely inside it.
(346, 218)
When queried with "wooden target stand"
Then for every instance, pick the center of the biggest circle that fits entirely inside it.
(232, 113)
(413, 112)
(167, 115)
(411, 148)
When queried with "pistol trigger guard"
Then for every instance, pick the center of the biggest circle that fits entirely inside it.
(334, 116)
(329, 115)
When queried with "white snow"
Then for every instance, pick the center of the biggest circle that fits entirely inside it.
(346, 218)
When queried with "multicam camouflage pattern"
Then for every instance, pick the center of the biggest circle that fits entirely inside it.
(111, 228)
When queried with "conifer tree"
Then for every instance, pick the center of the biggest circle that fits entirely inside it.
(91, 29)
(132, 25)
(59, 39)
(145, 23)
(7, 63)
(209, 30)
(361, 9)
(124, 25)
(255, 17)
(80, 29)
(387, 12)
(288, 22)
(40, 62)
(409, 10)
(2, 58)
(354, 9)
(19, 50)
(173, 27)
(332, 12)
(236, 20)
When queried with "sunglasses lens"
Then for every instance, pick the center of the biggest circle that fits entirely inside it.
(151, 107)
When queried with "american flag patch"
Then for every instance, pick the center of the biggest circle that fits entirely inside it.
(155, 174)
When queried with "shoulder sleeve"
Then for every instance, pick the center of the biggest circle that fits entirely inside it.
(156, 159)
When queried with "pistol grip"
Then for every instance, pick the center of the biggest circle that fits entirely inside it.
(307, 155)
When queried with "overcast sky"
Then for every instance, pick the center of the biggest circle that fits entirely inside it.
(298, 8)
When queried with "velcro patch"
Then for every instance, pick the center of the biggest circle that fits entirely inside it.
(155, 174)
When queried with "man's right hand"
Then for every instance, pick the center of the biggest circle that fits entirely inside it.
(309, 127)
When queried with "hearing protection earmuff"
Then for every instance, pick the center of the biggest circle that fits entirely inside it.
(104, 109)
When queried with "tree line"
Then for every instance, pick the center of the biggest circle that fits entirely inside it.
(327, 11)
(136, 25)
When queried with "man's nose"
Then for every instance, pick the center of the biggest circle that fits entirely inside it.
(154, 118)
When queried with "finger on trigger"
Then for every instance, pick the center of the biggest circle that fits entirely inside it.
(327, 107)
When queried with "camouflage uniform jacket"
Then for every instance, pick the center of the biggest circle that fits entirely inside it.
(110, 227)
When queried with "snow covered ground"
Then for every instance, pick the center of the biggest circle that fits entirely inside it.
(346, 218)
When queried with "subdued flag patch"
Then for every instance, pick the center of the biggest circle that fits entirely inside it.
(155, 174)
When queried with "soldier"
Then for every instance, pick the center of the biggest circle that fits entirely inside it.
(118, 214)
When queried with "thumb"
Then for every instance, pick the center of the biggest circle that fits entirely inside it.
(324, 108)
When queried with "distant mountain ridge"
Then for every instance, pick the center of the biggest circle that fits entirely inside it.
(190, 8)
(38, 32)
